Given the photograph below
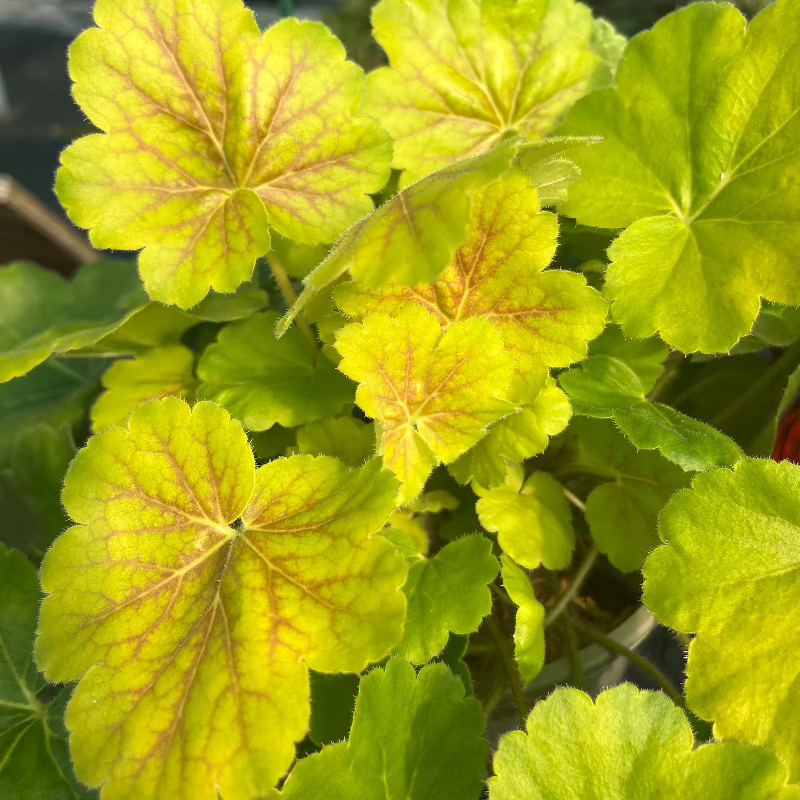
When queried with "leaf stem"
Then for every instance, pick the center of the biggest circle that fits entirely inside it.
(574, 651)
(285, 285)
(577, 581)
(509, 667)
(669, 374)
(575, 500)
(653, 671)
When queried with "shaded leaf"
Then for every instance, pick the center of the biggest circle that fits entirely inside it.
(345, 438)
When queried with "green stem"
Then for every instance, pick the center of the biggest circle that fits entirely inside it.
(575, 500)
(574, 652)
(509, 667)
(580, 576)
(669, 374)
(285, 285)
(55, 364)
(615, 647)
(285, 8)
(501, 595)
(495, 696)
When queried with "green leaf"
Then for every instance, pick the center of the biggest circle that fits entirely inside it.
(34, 761)
(645, 357)
(447, 593)
(433, 393)
(195, 164)
(622, 514)
(728, 571)
(629, 744)
(175, 621)
(164, 372)
(345, 438)
(776, 326)
(533, 521)
(698, 169)
(606, 387)
(414, 736)
(529, 627)
(41, 313)
(412, 237)
(463, 78)
(263, 381)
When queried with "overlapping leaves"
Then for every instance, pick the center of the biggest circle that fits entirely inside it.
(732, 545)
(198, 636)
(464, 76)
(699, 169)
(213, 134)
(433, 393)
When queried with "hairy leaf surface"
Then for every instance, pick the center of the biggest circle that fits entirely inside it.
(729, 571)
(433, 393)
(700, 168)
(192, 638)
(413, 736)
(263, 381)
(41, 313)
(464, 76)
(529, 628)
(213, 134)
(628, 744)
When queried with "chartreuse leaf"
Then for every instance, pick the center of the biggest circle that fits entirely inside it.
(622, 514)
(413, 736)
(346, 438)
(408, 530)
(263, 381)
(529, 627)
(447, 593)
(163, 372)
(34, 761)
(433, 393)
(697, 168)
(546, 317)
(41, 313)
(192, 638)
(196, 163)
(629, 744)
(728, 571)
(532, 520)
(606, 387)
(464, 76)
(412, 237)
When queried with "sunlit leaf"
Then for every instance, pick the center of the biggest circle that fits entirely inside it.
(529, 628)
(698, 168)
(414, 736)
(606, 387)
(532, 520)
(214, 134)
(464, 76)
(447, 593)
(263, 381)
(345, 438)
(34, 761)
(164, 372)
(433, 393)
(41, 313)
(728, 571)
(192, 638)
(629, 744)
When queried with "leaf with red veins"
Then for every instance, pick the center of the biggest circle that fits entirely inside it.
(191, 638)
(433, 393)
(213, 134)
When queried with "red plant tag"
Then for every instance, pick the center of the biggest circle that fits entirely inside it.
(787, 444)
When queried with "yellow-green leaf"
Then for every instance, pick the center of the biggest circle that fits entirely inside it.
(212, 134)
(433, 393)
(529, 626)
(192, 639)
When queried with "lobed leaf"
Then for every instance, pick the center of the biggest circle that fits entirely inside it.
(529, 626)
(41, 313)
(192, 638)
(263, 381)
(345, 438)
(212, 134)
(698, 169)
(433, 393)
(629, 743)
(732, 546)
(464, 76)
(413, 736)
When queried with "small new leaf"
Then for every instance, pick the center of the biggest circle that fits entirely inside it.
(214, 134)
(529, 627)
(193, 639)
(729, 571)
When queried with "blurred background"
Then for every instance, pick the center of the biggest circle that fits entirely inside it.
(37, 115)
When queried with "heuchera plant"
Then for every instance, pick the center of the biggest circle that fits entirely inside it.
(316, 536)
